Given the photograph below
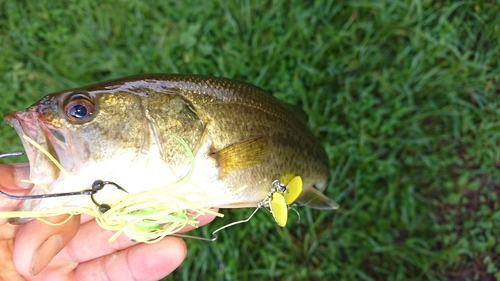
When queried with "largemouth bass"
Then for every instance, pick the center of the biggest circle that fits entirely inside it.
(242, 139)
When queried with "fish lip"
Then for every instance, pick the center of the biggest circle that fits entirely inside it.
(22, 128)
(28, 122)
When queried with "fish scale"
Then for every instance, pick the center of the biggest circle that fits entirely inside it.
(241, 136)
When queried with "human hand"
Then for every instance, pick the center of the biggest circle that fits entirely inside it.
(78, 249)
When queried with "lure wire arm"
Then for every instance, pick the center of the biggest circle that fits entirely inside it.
(214, 235)
(277, 186)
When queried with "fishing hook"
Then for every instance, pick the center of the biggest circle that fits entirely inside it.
(99, 185)
(27, 197)
(9, 154)
(96, 186)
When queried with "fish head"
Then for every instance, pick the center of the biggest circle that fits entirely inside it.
(77, 129)
(49, 124)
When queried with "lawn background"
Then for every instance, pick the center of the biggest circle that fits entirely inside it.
(404, 95)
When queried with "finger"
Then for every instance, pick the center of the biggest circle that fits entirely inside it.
(8, 231)
(141, 262)
(10, 176)
(7, 205)
(8, 271)
(92, 242)
(84, 218)
(37, 242)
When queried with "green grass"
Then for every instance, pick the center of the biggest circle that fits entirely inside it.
(404, 95)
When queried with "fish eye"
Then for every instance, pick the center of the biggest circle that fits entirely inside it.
(79, 109)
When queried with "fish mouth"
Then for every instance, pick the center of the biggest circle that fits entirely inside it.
(43, 171)
(51, 157)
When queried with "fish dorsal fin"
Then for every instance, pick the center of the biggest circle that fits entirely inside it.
(242, 155)
(313, 198)
(298, 112)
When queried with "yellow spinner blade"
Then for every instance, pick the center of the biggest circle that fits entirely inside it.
(279, 208)
(287, 178)
(294, 188)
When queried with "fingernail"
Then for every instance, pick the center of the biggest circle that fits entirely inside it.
(45, 253)
(22, 172)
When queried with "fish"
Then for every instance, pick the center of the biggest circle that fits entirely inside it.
(127, 131)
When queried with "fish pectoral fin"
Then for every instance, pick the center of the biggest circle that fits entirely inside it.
(242, 155)
(313, 198)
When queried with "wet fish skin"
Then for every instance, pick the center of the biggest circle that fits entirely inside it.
(241, 136)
